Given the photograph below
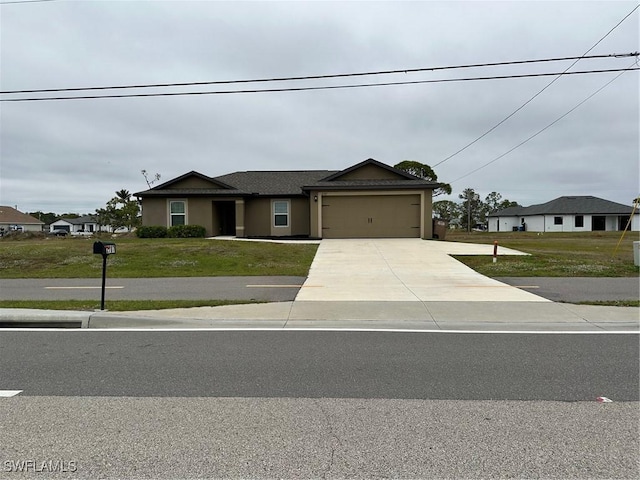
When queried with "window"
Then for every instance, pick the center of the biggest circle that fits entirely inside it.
(281, 213)
(579, 221)
(177, 214)
(557, 220)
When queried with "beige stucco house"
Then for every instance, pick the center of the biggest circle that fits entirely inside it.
(369, 199)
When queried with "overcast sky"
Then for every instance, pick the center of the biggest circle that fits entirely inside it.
(72, 155)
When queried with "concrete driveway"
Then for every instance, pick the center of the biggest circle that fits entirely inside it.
(404, 270)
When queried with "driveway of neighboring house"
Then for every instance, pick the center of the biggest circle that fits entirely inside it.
(404, 270)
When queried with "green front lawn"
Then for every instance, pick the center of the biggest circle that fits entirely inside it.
(589, 254)
(146, 258)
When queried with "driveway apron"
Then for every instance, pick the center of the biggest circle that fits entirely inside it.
(404, 270)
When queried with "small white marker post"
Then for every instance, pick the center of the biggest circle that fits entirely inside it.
(495, 251)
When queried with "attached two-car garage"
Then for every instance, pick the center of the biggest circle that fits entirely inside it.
(371, 216)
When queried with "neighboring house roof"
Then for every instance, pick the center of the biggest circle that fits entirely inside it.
(13, 216)
(286, 182)
(568, 205)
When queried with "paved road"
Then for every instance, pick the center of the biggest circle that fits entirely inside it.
(272, 289)
(280, 289)
(319, 405)
(578, 289)
(321, 364)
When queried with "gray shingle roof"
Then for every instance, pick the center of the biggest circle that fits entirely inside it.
(569, 205)
(274, 182)
(286, 183)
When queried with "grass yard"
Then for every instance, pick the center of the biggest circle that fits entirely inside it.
(146, 258)
(116, 305)
(589, 254)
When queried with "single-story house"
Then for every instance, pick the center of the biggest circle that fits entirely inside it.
(369, 199)
(12, 219)
(86, 223)
(566, 214)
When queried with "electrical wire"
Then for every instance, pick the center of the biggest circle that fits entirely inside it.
(300, 89)
(319, 77)
(548, 126)
(536, 95)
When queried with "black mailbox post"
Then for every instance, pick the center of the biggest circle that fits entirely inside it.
(105, 249)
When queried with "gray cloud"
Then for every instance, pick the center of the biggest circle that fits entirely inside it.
(73, 155)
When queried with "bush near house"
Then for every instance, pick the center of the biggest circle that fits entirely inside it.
(186, 231)
(154, 231)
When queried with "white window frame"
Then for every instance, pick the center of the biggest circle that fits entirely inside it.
(171, 214)
(275, 214)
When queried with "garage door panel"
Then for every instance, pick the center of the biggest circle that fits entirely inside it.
(371, 216)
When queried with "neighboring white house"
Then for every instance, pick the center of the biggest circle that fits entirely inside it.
(86, 223)
(566, 214)
(14, 220)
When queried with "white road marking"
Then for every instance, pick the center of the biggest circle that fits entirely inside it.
(74, 288)
(9, 393)
(526, 286)
(281, 286)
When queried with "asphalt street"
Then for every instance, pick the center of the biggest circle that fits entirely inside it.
(286, 404)
(578, 289)
(321, 364)
(271, 289)
(280, 289)
(189, 438)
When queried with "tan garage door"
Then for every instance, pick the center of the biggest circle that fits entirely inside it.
(371, 216)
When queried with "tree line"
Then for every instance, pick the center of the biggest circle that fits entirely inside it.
(467, 214)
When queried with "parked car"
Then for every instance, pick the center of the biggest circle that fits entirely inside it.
(59, 233)
(81, 233)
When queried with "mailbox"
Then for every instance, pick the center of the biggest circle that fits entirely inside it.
(104, 248)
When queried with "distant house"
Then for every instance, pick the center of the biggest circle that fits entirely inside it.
(369, 199)
(14, 220)
(566, 214)
(86, 223)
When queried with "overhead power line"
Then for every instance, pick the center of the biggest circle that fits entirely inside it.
(545, 128)
(300, 89)
(583, 56)
(322, 77)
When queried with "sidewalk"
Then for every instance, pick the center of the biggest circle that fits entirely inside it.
(456, 316)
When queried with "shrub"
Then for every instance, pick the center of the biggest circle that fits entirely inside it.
(153, 231)
(186, 231)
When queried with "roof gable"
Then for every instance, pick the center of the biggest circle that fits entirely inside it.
(369, 169)
(190, 180)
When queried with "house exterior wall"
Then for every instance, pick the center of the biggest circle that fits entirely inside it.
(257, 217)
(200, 212)
(26, 227)
(546, 223)
(300, 224)
(61, 225)
(154, 211)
